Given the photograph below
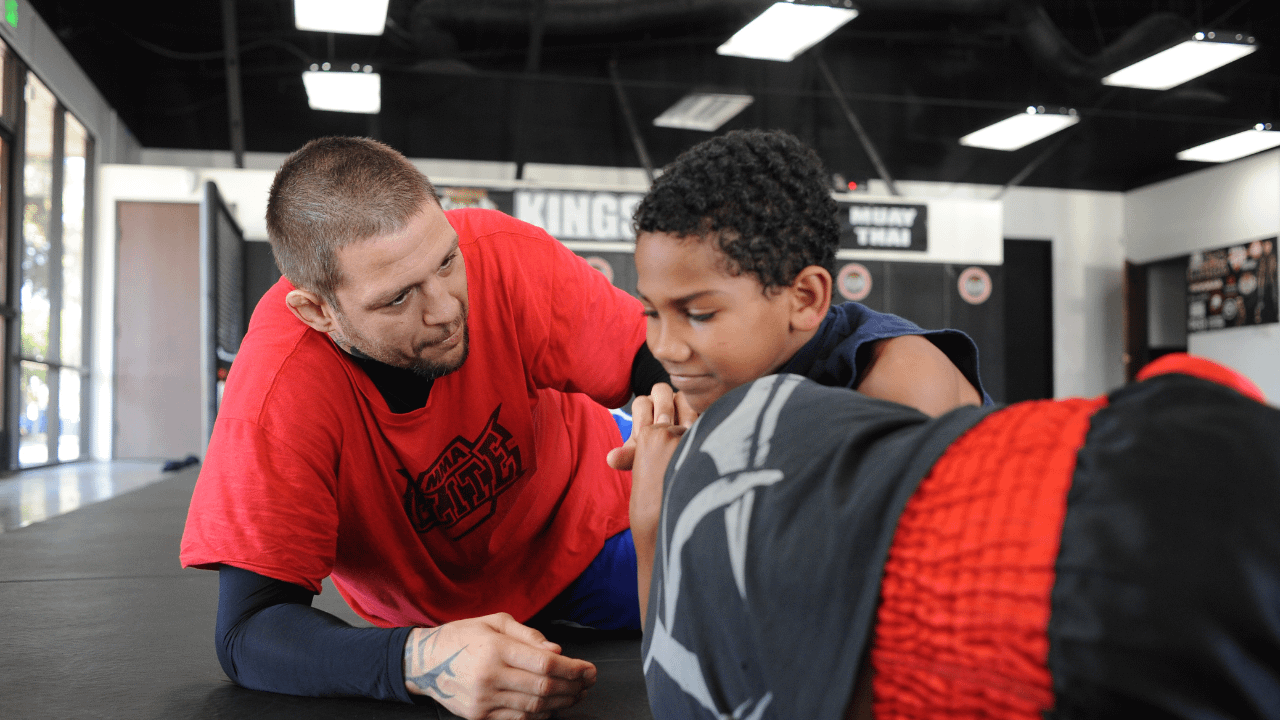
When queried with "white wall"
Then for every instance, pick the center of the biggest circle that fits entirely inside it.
(1212, 208)
(1086, 229)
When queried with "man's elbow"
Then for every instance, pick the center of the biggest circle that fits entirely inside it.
(223, 645)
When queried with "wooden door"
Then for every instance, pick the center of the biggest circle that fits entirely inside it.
(157, 386)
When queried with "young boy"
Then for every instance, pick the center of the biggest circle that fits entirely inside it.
(820, 554)
(743, 227)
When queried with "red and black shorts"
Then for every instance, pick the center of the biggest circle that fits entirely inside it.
(1116, 557)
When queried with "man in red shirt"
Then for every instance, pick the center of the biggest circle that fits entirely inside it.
(418, 411)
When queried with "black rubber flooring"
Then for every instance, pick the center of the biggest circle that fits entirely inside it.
(99, 621)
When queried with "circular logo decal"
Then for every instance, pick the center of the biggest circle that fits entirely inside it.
(602, 265)
(854, 282)
(974, 285)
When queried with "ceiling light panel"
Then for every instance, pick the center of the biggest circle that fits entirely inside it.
(1182, 62)
(1233, 147)
(785, 30)
(703, 111)
(1020, 130)
(354, 92)
(353, 17)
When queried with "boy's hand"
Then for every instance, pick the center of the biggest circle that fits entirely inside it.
(654, 437)
(494, 668)
(662, 405)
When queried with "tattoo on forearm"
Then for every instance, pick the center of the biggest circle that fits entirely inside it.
(422, 641)
(429, 680)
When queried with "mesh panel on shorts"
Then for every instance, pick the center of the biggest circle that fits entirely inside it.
(965, 598)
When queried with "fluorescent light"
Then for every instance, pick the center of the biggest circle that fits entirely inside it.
(785, 30)
(703, 111)
(1182, 62)
(1231, 147)
(357, 92)
(1021, 129)
(354, 17)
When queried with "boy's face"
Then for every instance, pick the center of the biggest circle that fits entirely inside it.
(711, 331)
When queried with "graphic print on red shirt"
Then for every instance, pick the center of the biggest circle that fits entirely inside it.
(466, 479)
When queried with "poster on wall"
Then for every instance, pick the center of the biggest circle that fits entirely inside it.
(452, 198)
(883, 226)
(1232, 287)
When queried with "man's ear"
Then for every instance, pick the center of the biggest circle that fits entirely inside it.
(311, 309)
(810, 298)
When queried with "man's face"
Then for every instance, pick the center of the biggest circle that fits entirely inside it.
(711, 331)
(403, 298)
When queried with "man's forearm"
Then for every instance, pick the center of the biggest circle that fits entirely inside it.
(268, 637)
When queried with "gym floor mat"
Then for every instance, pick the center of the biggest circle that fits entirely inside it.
(100, 621)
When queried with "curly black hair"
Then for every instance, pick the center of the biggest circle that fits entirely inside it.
(762, 196)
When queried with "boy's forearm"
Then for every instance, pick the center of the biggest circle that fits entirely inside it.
(645, 541)
(661, 420)
(645, 511)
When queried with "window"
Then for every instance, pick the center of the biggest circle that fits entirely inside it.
(51, 276)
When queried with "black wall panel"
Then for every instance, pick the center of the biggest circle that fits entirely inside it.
(260, 273)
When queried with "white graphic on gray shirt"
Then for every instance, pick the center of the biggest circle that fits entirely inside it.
(729, 447)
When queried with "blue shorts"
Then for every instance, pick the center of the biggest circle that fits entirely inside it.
(604, 596)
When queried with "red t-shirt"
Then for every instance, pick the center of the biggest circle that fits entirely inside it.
(493, 497)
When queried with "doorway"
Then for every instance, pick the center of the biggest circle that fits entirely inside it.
(157, 398)
(1028, 320)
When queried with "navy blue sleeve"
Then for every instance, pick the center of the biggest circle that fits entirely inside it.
(268, 637)
(838, 354)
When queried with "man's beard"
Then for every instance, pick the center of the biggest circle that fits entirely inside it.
(353, 343)
(432, 369)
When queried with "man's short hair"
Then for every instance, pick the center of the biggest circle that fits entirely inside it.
(336, 191)
(762, 196)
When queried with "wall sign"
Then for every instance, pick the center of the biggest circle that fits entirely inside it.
(974, 285)
(884, 226)
(568, 215)
(452, 198)
(1232, 286)
(853, 282)
(602, 265)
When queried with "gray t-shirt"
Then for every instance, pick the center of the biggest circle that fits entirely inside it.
(779, 509)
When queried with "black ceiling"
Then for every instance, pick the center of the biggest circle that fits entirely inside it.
(529, 80)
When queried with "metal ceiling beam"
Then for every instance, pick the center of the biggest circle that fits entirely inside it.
(235, 105)
(856, 124)
(537, 28)
(524, 92)
(1035, 164)
(636, 139)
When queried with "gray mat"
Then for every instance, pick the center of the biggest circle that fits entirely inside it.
(101, 622)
